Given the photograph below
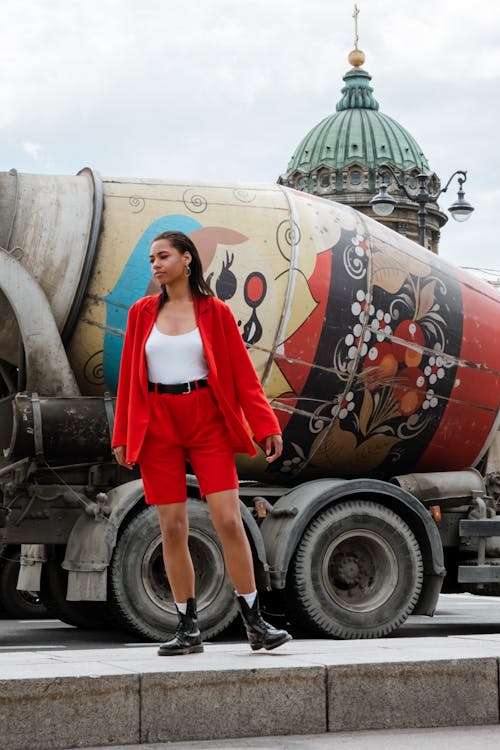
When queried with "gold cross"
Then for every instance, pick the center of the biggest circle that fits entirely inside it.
(355, 16)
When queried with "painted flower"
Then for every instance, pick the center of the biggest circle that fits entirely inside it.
(346, 405)
(382, 360)
(357, 341)
(289, 464)
(360, 245)
(430, 401)
(380, 325)
(362, 305)
(410, 331)
(410, 390)
(435, 369)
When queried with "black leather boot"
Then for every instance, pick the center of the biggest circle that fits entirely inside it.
(260, 633)
(187, 637)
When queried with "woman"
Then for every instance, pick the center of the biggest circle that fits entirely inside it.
(187, 389)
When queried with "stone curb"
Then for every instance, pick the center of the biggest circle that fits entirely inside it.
(60, 700)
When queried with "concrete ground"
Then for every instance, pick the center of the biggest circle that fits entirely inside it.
(308, 691)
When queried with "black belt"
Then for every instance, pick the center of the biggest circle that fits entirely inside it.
(176, 388)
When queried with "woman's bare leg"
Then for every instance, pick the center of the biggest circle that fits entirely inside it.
(174, 525)
(226, 517)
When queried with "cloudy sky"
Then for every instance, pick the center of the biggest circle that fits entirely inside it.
(226, 89)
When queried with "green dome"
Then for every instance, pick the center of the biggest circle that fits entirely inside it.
(357, 133)
(339, 160)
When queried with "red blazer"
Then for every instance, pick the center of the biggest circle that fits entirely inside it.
(232, 377)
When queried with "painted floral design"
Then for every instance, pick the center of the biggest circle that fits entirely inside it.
(380, 384)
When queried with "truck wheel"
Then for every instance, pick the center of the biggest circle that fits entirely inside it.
(82, 614)
(14, 603)
(140, 591)
(357, 572)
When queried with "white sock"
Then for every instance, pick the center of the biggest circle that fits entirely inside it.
(182, 607)
(249, 598)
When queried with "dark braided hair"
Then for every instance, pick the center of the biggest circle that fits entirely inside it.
(183, 244)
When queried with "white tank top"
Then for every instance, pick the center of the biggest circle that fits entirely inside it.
(175, 359)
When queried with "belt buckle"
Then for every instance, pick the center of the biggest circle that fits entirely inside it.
(189, 389)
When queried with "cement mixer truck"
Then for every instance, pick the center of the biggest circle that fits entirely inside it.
(381, 361)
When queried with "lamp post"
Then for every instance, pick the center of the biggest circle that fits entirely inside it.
(383, 203)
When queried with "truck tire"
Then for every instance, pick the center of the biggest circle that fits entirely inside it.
(82, 614)
(14, 603)
(140, 591)
(357, 572)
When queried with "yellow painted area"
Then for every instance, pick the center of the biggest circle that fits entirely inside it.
(262, 236)
(254, 211)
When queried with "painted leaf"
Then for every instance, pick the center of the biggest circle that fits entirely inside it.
(372, 452)
(336, 450)
(365, 411)
(333, 448)
(426, 300)
(391, 267)
(299, 451)
(388, 273)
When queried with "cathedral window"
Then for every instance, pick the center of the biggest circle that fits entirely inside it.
(355, 177)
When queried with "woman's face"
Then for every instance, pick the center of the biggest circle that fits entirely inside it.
(167, 263)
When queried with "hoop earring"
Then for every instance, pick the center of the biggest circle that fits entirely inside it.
(187, 271)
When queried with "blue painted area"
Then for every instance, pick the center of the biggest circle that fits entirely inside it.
(130, 287)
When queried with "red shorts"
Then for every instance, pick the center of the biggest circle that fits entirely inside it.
(185, 427)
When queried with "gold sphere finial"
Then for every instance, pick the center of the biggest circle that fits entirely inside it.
(356, 58)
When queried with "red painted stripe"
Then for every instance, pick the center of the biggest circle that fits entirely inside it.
(302, 345)
(475, 399)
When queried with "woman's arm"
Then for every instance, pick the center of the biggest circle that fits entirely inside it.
(124, 380)
(249, 391)
(121, 456)
(273, 447)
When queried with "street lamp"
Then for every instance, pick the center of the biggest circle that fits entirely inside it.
(383, 203)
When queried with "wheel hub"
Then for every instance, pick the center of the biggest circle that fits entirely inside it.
(207, 560)
(360, 570)
(348, 573)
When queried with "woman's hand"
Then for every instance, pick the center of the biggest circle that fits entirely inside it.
(273, 447)
(120, 453)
